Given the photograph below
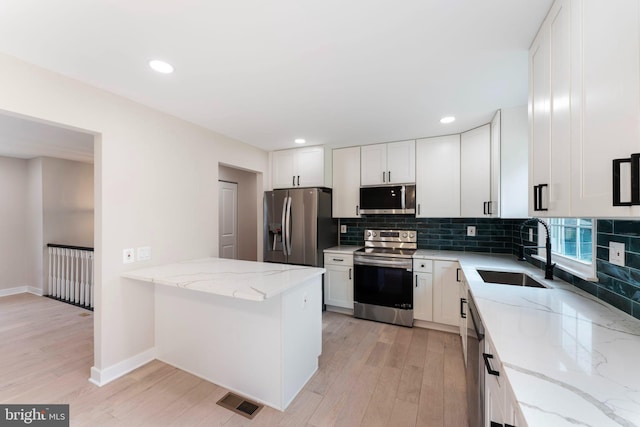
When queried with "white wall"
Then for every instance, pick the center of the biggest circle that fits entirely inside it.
(13, 223)
(155, 184)
(247, 210)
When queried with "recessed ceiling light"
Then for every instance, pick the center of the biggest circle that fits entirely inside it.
(161, 66)
(448, 119)
(299, 141)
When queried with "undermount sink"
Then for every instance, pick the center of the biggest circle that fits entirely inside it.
(510, 278)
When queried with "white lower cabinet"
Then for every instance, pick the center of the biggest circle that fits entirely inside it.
(446, 293)
(338, 280)
(464, 291)
(423, 290)
(500, 405)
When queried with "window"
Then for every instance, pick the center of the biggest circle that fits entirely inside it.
(572, 245)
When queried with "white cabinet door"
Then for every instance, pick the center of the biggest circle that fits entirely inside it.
(514, 162)
(310, 167)
(346, 179)
(550, 120)
(373, 166)
(475, 172)
(338, 286)
(423, 296)
(493, 209)
(605, 100)
(464, 290)
(391, 163)
(401, 162)
(283, 168)
(446, 293)
(299, 167)
(438, 177)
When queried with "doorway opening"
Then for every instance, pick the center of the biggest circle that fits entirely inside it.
(238, 200)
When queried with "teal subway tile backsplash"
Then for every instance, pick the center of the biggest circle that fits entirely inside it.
(618, 286)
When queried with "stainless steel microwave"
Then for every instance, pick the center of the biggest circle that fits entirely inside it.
(391, 199)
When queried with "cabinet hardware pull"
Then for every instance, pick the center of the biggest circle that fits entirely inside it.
(383, 177)
(293, 181)
(416, 280)
(484, 208)
(357, 210)
(489, 212)
(537, 197)
(463, 301)
(338, 259)
(617, 175)
(298, 180)
(389, 176)
(635, 179)
(349, 274)
(490, 370)
(418, 208)
(457, 274)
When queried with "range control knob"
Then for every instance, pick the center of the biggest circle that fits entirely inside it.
(375, 234)
(404, 235)
(411, 235)
(368, 234)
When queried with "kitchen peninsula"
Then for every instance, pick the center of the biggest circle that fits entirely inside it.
(252, 327)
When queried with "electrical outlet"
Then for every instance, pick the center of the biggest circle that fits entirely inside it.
(343, 229)
(531, 234)
(144, 253)
(616, 253)
(471, 230)
(128, 255)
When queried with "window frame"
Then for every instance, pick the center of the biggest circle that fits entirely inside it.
(583, 270)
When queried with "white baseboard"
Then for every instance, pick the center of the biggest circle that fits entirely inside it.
(437, 326)
(105, 376)
(20, 290)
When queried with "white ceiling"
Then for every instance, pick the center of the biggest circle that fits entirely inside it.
(266, 72)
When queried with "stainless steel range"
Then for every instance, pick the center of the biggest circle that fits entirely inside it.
(383, 289)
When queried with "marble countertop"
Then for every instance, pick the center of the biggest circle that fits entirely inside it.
(569, 357)
(343, 249)
(249, 280)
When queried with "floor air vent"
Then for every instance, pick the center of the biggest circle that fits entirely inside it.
(239, 405)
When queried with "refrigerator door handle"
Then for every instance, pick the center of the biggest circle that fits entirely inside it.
(283, 227)
(288, 225)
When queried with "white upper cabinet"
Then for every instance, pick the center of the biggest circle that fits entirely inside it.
(514, 162)
(584, 104)
(605, 101)
(301, 167)
(391, 163)
(346, 178)
(438, 177)
(493, 207)
(549, 106)
(475, 172)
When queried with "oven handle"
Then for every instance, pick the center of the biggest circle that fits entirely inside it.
(381, 262)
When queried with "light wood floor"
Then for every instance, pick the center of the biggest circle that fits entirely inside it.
(371, 374)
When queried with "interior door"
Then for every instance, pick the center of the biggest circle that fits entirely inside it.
(228, 219)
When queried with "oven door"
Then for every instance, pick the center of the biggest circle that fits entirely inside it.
(384, 281)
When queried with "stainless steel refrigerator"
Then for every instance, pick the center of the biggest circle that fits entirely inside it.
(298, 226)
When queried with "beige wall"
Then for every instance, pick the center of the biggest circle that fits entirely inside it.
(155, 184)
(67, 195)
(247, 210)
(13, 223)
(34, 232)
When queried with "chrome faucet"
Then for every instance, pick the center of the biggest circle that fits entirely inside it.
(548, 268)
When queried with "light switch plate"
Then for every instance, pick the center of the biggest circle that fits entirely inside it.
(616, 253)
(128, 255)
(471, 230)
(144, 253)
(343, 229)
